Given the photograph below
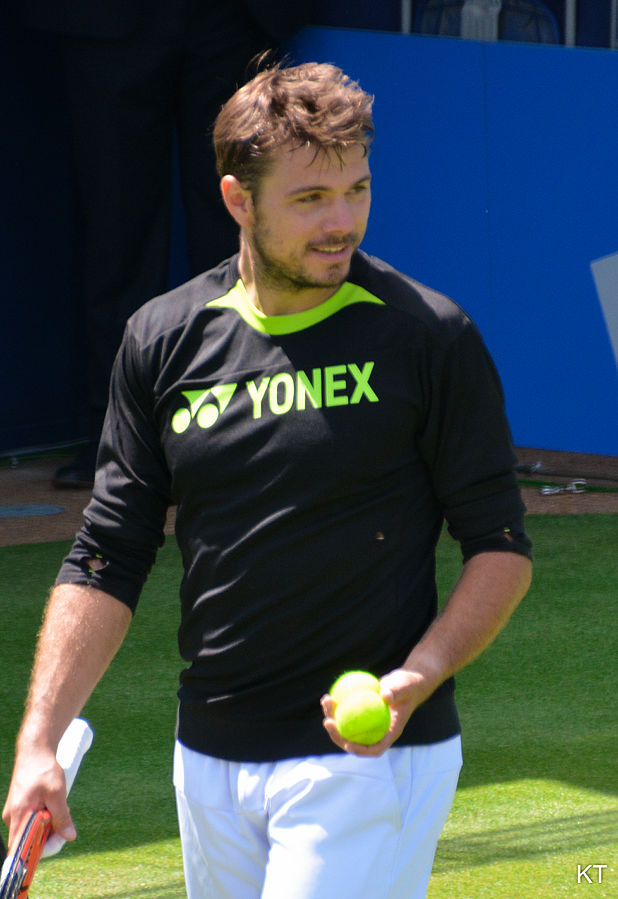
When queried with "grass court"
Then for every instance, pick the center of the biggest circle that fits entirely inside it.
(536, 814)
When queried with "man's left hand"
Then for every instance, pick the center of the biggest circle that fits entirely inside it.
(402, 691)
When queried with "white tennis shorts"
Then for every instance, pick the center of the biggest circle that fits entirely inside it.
(323, 827)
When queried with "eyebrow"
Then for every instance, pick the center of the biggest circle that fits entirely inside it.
(320, 188)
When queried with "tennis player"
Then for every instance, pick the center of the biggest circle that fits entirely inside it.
(315, 416)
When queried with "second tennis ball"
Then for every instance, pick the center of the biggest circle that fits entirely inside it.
(361, 715)
(351, 682)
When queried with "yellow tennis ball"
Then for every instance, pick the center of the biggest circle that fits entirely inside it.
(351, 682)
(363, 717)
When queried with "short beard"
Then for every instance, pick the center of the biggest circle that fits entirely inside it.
(277, 275)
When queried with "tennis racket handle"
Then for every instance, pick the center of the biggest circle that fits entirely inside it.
(73, 745)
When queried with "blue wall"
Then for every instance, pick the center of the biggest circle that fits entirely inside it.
(496, 181)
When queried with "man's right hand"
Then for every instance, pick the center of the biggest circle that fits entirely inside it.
(38, 782)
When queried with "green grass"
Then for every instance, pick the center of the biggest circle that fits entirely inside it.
(538, 791)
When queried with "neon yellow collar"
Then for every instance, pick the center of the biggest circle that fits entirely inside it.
(237, 298)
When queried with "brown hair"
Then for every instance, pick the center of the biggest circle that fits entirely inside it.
(311, 104)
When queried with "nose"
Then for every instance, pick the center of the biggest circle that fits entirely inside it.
(338, 218)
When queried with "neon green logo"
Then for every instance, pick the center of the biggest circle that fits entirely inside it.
(205, 414)
(334, 385)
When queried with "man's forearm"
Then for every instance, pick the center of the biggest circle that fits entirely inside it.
(82, 631)
(489, 590)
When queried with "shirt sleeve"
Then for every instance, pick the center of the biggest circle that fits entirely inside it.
(466, 443)
(124, 522)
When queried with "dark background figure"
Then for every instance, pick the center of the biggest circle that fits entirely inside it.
(144, 83)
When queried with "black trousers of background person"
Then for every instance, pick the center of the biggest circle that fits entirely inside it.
(128, 96)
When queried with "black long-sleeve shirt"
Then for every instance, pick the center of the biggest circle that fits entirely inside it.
(313, 458)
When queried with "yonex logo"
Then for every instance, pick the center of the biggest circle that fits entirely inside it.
(204, 413)
(334, 385)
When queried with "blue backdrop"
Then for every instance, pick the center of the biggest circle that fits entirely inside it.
(496, 181)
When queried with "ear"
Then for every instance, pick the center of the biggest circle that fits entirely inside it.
(238, 200)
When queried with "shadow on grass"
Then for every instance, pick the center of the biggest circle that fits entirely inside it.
(583, 762)
(513, 843)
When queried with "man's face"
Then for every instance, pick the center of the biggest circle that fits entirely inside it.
(310, 214)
